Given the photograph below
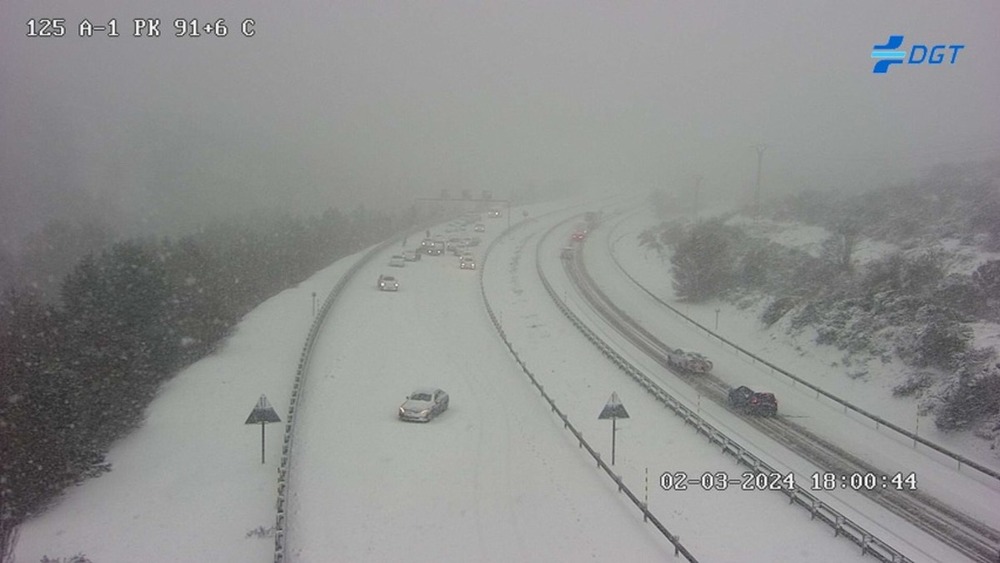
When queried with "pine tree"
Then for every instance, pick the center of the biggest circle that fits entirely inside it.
(702, 262)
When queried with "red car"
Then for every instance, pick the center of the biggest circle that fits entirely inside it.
(579, 235)
(753, 402)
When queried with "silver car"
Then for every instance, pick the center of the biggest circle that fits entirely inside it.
(424, 404)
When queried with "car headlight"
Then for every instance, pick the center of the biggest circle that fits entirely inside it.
(425, 412)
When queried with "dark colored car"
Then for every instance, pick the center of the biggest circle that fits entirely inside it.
(752, 402)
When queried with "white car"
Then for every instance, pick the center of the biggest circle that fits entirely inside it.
(480, 228)
(467, 263)
(397, 261)
(423, 404)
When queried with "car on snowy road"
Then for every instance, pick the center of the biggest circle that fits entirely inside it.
(753, 402)
(388, 283)
(423, 404)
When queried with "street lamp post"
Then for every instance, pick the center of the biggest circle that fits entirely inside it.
(697, 188)
(756, 193)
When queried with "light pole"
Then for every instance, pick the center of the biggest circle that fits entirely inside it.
(756, 193)
(717, 320)
(697, 188)
(314, 304)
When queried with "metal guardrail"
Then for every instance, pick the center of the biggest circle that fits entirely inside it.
(879, 421)
(281, 525)
(842, 525)
(643, 508)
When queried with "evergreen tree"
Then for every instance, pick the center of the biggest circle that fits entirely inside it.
(702, 262)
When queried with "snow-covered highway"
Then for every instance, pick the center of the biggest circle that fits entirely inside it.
(491, 479)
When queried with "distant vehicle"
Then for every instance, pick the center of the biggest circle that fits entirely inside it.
(474, 241)
(388, 283)
(752, 402)
(433, 247)
(494, 213)
(397, 261)
(467, 263)
(566, 253)
(411, 256)
(479, 228)
(423, 404)
(579, 235)
(692, 362)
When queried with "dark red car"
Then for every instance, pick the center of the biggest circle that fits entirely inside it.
(752, 402)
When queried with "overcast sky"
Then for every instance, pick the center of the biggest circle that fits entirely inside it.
(340, 103)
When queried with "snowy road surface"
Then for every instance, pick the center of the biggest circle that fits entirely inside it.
(491, 479)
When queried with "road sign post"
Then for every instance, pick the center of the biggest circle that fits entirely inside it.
(263, 413)
(614, 409)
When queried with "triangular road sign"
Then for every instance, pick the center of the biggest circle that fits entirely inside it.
(614, 408)
(263, 413)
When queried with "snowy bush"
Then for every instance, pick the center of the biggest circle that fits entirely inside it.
(969, 399)
(961, 294)
(776, 309)
(261, 532)
(78, 558)
(915, 383)
(938, 343)
(987, 278)
(989, 430)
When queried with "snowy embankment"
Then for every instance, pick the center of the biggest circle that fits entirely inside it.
(867, 384)
(965, 489)
(189, 484)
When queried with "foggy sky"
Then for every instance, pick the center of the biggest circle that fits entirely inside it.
(341, 103)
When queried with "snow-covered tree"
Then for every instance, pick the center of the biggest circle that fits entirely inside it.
(703, 263)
